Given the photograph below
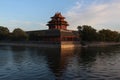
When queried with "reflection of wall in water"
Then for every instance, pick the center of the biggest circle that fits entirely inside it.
(58, 58)
(19, 54)
(67, 53)
(4, 56)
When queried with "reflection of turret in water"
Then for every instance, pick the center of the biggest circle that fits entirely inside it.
(68, 53)
(57, 59)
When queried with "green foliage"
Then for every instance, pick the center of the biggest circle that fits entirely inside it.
(4, 33)
(87, 33)
(19, 35)
(108, 35)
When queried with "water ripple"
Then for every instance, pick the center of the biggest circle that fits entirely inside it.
(30, 63)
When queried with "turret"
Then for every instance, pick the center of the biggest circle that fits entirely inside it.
(58, 22)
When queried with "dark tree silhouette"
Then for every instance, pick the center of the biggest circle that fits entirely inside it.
(4, 33)
(87, 33)
(19, 35)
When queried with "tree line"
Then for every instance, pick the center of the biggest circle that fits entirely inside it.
(17, 34)
(88, 33)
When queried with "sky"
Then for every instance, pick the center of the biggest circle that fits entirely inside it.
(34, 14)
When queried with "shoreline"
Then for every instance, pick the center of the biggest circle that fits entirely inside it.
(59, 45)
(42, 44)
(98, 44)
(29, 45)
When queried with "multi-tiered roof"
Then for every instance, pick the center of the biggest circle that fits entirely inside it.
(57, 22)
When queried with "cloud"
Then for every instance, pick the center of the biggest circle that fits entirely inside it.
(97, 13)
(25, 25)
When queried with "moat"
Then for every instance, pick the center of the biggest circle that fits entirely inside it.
(32, 63)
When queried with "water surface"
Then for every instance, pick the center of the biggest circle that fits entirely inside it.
(31, 63)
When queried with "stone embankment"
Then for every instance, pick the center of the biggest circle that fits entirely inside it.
(30, 44)
(97, 44)
(63, 44)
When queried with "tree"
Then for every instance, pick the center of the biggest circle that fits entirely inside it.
(108, 35)
(4, 33)
(19, 35)
(80, 32)
(87, 33)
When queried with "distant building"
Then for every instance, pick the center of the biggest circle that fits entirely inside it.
(57, 31)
